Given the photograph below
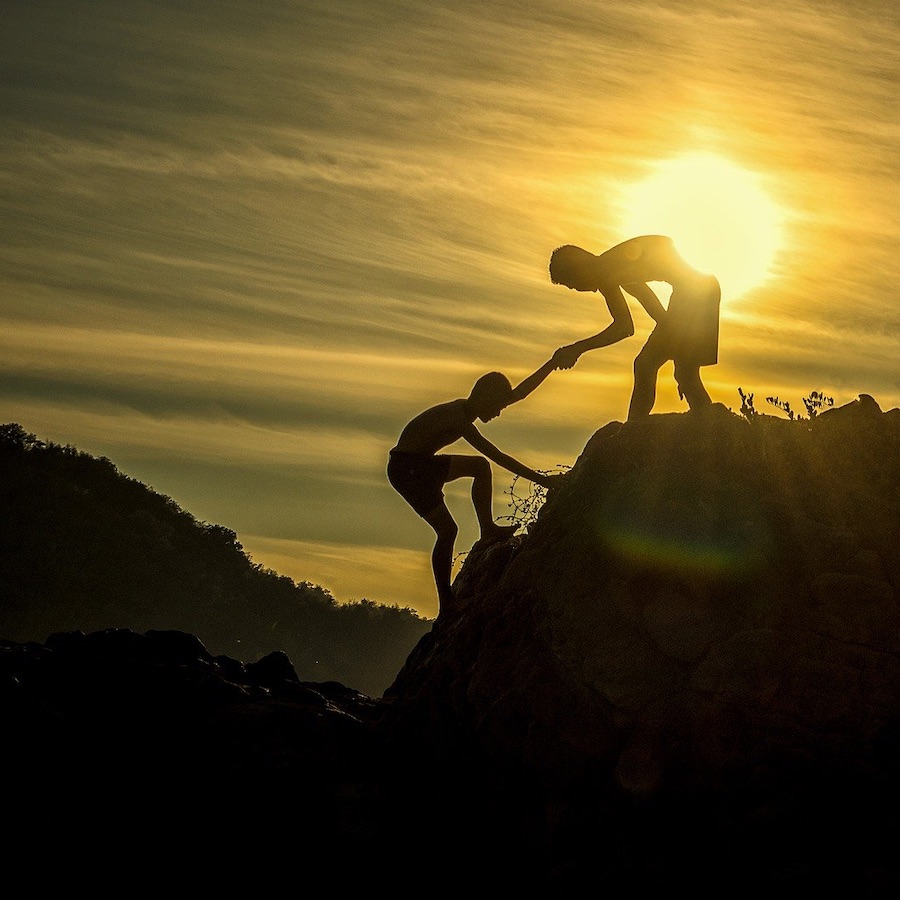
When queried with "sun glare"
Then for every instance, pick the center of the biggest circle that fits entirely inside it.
(718, 214)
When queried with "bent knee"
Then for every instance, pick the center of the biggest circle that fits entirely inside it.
(687, 376)
(446, 532)
(645, 364)
(468, 466)
(621, 329)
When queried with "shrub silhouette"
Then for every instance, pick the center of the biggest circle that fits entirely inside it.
(526, 506)
(814, 402)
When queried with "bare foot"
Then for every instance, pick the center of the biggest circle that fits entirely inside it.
(497, 534)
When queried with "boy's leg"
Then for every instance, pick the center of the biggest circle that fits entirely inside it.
(646, 369)
(687, 376)
(446, 529)
(479, 470)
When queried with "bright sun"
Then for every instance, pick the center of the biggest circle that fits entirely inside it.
(718, 214)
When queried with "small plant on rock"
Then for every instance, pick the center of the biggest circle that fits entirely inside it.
(526, 506)
(814, 402)
(748, 411)
(783, 405)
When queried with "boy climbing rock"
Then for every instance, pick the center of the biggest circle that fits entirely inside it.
(687, 331)
(418, 472)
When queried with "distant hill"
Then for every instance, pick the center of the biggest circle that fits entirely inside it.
(84, 547)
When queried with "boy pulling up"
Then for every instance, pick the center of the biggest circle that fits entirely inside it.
(418, 472)
(687, 331)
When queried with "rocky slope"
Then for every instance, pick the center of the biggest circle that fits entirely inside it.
(702, 629)
(686, 675)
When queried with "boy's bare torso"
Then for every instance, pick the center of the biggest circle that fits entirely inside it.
(435, 428)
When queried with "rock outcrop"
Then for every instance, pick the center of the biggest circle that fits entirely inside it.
(686, 675)
(700, 631)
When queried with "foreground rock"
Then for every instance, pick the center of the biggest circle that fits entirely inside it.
(691, 664)
(686, 675)
(132, 747)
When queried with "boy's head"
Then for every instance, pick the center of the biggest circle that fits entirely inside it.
(573, 267)
(490, 395)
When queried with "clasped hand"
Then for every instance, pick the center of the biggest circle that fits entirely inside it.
(565, 357)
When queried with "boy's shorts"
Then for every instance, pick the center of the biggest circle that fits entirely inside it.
(419, 478)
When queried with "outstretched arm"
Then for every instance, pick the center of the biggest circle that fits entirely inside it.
(525, 387)
(483, 445)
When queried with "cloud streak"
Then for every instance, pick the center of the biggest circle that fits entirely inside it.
(243, 243)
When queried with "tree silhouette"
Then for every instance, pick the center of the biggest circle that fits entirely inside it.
(84, 547)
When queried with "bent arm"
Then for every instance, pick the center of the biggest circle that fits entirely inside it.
(621, 327)
(646, 296)
(483, 445)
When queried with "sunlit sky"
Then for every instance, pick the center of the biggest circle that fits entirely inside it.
(244, 242)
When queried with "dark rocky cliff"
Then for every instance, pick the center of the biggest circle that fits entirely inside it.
(700, 634)
(686, 675)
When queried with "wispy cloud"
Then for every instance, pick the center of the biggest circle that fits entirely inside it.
(242, 243)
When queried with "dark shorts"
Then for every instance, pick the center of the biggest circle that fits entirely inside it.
(419, 478)
(692, 330)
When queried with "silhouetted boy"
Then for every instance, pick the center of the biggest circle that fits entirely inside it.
(686, 332)
(418, 472)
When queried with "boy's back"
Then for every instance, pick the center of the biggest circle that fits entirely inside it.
(434, 428)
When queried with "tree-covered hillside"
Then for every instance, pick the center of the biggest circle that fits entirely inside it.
(84, 547)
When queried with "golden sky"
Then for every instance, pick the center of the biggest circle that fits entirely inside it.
(244, 242)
